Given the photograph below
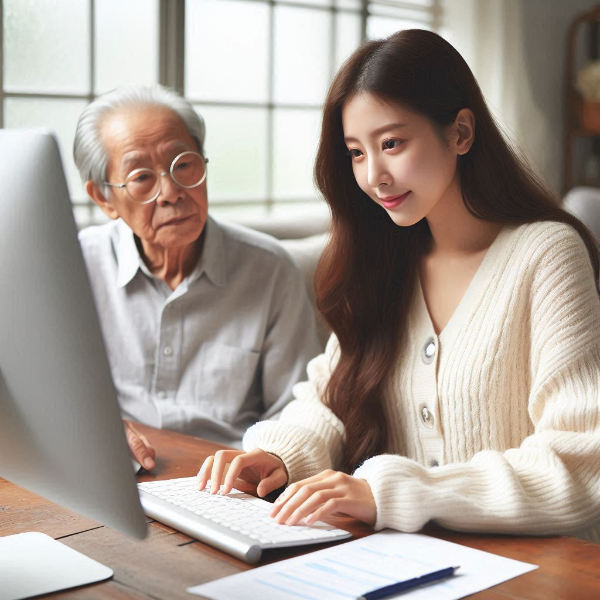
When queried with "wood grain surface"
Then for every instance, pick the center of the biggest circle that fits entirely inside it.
(167, 562)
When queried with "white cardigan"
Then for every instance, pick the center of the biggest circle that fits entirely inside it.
(506, 400)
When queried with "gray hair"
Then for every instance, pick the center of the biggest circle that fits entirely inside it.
(89, 152)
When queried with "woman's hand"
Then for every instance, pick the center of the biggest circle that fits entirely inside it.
(254, 471)
(318, 497)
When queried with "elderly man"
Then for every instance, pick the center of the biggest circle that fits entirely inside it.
(207, 325)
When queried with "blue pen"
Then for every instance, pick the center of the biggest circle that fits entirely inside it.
(408, 584)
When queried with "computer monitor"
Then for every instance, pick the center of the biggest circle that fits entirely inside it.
(61, 433)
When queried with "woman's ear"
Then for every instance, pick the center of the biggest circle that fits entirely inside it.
(464, 130)
(95, 193)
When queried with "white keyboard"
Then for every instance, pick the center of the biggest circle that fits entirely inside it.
(237, 523)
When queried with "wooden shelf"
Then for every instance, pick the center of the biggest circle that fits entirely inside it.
(584, 133)
(589, 23)
(591, 182)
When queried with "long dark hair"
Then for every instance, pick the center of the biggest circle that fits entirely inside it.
(366, 277)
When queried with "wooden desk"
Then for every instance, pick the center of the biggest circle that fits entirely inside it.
(167, 562)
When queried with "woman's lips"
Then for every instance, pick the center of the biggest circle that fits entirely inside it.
(393, 201)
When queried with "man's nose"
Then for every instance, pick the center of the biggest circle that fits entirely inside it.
(170, 191)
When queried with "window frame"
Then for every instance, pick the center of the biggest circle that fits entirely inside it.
(171, 71)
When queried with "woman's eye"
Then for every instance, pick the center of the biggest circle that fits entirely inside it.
(391, 144)
(354, 153)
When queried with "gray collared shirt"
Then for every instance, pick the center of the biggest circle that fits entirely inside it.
(216, 354)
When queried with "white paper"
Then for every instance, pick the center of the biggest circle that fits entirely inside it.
(354, 568)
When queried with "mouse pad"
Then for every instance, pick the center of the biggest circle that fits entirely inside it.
(34, 563)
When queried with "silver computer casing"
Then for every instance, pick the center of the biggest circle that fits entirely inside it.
(61, 433)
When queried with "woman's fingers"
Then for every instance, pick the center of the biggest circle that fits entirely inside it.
(235, 468)
(260, 468)
(333, 505)
(213, 468)
(251, 472)
(315, 502)
(244, 486)
(275, 480)
(204, 472)
(298, 493)
(322, 495)
(222, 459)
(291, 492)
(218, 471)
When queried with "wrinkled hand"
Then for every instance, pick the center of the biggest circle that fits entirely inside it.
(320, 496)
(139, 446)
(250, 472)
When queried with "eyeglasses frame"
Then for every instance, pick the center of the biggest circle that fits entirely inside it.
(120, 186)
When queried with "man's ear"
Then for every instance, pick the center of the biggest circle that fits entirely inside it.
(464, 130)
(95, 193)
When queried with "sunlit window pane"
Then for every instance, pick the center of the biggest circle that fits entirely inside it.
(301, 61)
(382, 27)
(59, 116)
(46, 46)
(354, 4)
(226, 50)
(348, 36)
(126, 43)
(313, 2)
(236, 145)
(296, 134)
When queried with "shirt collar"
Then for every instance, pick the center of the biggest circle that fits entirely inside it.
(128, 257)
(213, 260)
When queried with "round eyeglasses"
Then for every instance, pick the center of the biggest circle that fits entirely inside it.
(188, 170)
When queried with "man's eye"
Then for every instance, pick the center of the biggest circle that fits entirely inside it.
(354, 153)
(391, 144)
(181, 166)
(141, 177)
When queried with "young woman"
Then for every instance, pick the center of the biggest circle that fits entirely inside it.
(462, 382)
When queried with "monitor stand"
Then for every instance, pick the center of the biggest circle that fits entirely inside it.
(34, 563)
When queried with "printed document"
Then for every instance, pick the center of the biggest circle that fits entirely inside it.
(354, 568)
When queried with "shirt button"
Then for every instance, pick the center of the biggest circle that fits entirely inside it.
(168, 351)
(428, 351)
(434, 463)
(427, 417)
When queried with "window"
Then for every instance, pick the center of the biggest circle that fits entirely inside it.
(257, 71)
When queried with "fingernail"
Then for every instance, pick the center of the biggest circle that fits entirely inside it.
(148, 463)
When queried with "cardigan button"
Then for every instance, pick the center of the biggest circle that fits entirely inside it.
(427, 417)
(428, 352)
(434, 463)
